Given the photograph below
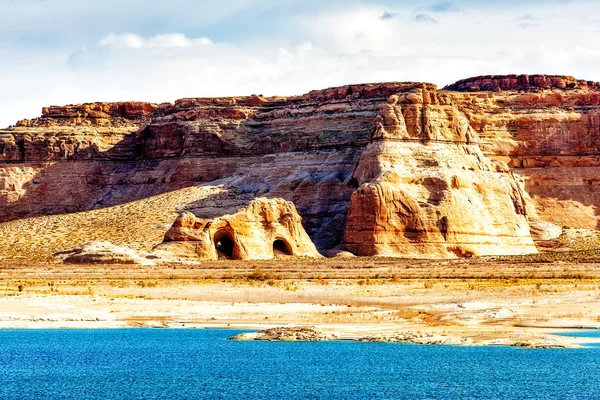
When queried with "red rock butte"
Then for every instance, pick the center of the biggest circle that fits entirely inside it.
(491, 165)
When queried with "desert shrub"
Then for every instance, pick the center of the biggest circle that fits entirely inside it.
(260, 275)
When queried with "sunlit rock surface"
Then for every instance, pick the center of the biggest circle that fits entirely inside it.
(368, 167)
(265, 229)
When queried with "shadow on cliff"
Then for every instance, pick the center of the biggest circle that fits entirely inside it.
(91, 179)
(552, 158)
(567, 214)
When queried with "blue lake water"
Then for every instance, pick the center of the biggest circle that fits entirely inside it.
(582, 333)
(202, 364)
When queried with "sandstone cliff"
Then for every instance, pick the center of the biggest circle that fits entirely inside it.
(435, 200)
(415, 170)
(432, 192)
(547, 129)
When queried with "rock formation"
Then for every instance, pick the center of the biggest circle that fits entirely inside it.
(390, 123)
(400, 169)
(287, 334)
(520, 82)
(434, 199)
(265, 229)
(104, 253)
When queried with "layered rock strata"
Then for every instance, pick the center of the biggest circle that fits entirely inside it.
(520, 83)
(548, 131)
(303, 149)
(402, 140)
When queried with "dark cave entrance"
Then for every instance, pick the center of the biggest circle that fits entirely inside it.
(281, 248)
(224, 245)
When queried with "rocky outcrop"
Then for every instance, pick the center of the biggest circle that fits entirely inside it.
(401, 169)
(104, 253)
(92, 131)
(302, 148)
(520, 82)
(311, 334)
(92, 114)
(390, 123)
(435, 199)
(548, 134)
(287, 334)
(264, 229)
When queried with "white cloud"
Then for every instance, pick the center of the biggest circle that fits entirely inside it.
(133, 41)
(312, 49)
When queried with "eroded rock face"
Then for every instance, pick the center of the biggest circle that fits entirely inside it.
(547, 130)
(264, 229)
(302, 149)
(520, 82)
(418, 201)
(523, 147)
(390, 122)
(435, 199)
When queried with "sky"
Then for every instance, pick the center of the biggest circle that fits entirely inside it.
(56, 52)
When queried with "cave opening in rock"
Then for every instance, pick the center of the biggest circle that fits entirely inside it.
(281, 248)
(224, 245)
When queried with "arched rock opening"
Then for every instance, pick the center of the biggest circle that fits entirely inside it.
(224, 245)
(282, 248)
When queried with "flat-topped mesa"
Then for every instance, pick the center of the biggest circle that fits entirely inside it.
(531, 83)
(365, 91)
(321, 119)
(243, 125)
(95, 110)
(129, 113)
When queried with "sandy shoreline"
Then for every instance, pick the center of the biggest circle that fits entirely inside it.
(451, 302)
(41, 311)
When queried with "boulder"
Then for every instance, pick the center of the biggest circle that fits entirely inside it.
(104, 253)
(542, 231)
